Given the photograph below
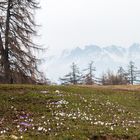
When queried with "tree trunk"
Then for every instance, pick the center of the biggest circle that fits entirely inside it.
(6, 51)
(1, 55)
(1, 46)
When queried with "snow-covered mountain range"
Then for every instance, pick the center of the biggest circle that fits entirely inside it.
(105, 58)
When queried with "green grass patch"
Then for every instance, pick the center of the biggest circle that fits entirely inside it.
(68, 113)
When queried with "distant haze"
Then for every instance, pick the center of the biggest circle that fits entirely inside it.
(105, 58)
(70, 23)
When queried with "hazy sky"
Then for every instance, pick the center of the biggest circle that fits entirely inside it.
(72, 23)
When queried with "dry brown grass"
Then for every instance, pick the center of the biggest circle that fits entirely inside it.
(116, 87)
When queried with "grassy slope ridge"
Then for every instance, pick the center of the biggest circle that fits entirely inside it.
(68, 112)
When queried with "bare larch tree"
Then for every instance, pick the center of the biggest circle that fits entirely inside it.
(122, 76)
(18, 63)
(133, 73)
(89, 77)
(74, 77)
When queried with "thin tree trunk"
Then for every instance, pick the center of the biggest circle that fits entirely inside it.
(1, 45)
(1, 52)
(6, 51)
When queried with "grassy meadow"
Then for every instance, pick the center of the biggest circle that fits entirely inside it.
(69, 112)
